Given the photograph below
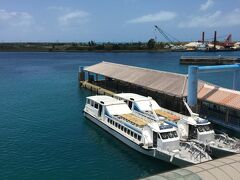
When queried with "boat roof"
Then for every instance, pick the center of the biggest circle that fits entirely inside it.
(132, 96)
(106, 100)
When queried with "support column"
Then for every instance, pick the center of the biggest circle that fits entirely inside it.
(192, 86)
(227, 115)
(81, 75)
(236, 80)
(96, 77)
(88, 75)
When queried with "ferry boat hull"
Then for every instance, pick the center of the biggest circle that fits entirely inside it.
(149, 152)
(219, 152)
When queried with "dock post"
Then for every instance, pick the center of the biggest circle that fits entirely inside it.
(215, 40)
(236, 79)
(96, 77)
(192, 86)
(81, 76)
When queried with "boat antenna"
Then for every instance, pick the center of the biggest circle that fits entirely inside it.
(157, 117)
(154, 113)
(192, 114)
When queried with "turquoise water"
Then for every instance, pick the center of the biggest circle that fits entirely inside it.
(43, 134)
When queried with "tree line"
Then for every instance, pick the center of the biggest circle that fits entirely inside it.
(83, 46)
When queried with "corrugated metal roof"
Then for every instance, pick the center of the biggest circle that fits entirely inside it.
(219, 95)
(165, 82)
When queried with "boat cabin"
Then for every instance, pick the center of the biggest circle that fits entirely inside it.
(196, 128)
(138, 102)
(146, 105)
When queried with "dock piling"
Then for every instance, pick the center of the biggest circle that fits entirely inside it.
(192, 86)
(193, 79)
(81, 76)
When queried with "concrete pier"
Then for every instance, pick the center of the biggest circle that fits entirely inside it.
(219, 105)
(226, 168)
(208, 60)
(95, 88)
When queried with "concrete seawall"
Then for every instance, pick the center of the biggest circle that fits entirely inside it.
(226, 168)
(208, 60)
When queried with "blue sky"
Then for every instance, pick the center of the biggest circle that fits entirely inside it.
(116, 20)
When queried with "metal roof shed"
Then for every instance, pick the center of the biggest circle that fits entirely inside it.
(169, 83)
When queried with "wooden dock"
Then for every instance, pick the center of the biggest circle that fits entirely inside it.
(96, 89)
(226, 168)
(208, 60)
(168, 89)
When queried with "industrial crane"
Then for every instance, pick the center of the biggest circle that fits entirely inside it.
(167, 36)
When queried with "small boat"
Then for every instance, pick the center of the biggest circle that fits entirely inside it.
(156, 139)
(200, 131)
(191, 129)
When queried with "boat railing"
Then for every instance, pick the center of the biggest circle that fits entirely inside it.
(196, 151)
(142, 115)
(112, 118)
(233, 143)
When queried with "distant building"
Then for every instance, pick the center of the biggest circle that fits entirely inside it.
(195, 46)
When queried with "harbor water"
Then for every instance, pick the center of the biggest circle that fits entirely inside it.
(43, 134)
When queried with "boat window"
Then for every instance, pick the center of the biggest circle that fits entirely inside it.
(88, 101)
(96, 106)
(122, 128)
(99, 110)
(192, 132)
(116, 124)
(92, 103)
(175, 134)
(119, 126)
(108, 120)
(164, 135)
(135, 135)
(131, 133)
(139, 137)
(130, 104)
(208, 127)
(200, 128)
(128, 131)
(170, 135)
(203, 128)
(125, 129)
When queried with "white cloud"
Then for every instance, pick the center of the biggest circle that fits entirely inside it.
(208, 20)
(74, 17)
(157, 17)
(58, 8)
(217, 19)
(206, 5)
(12, 18)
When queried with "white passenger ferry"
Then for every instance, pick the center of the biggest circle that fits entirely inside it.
(155, 139)
(191, 128)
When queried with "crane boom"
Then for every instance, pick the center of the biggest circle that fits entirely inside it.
(165, 35)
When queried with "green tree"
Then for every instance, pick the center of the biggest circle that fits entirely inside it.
(91, 43)
(151, 43)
